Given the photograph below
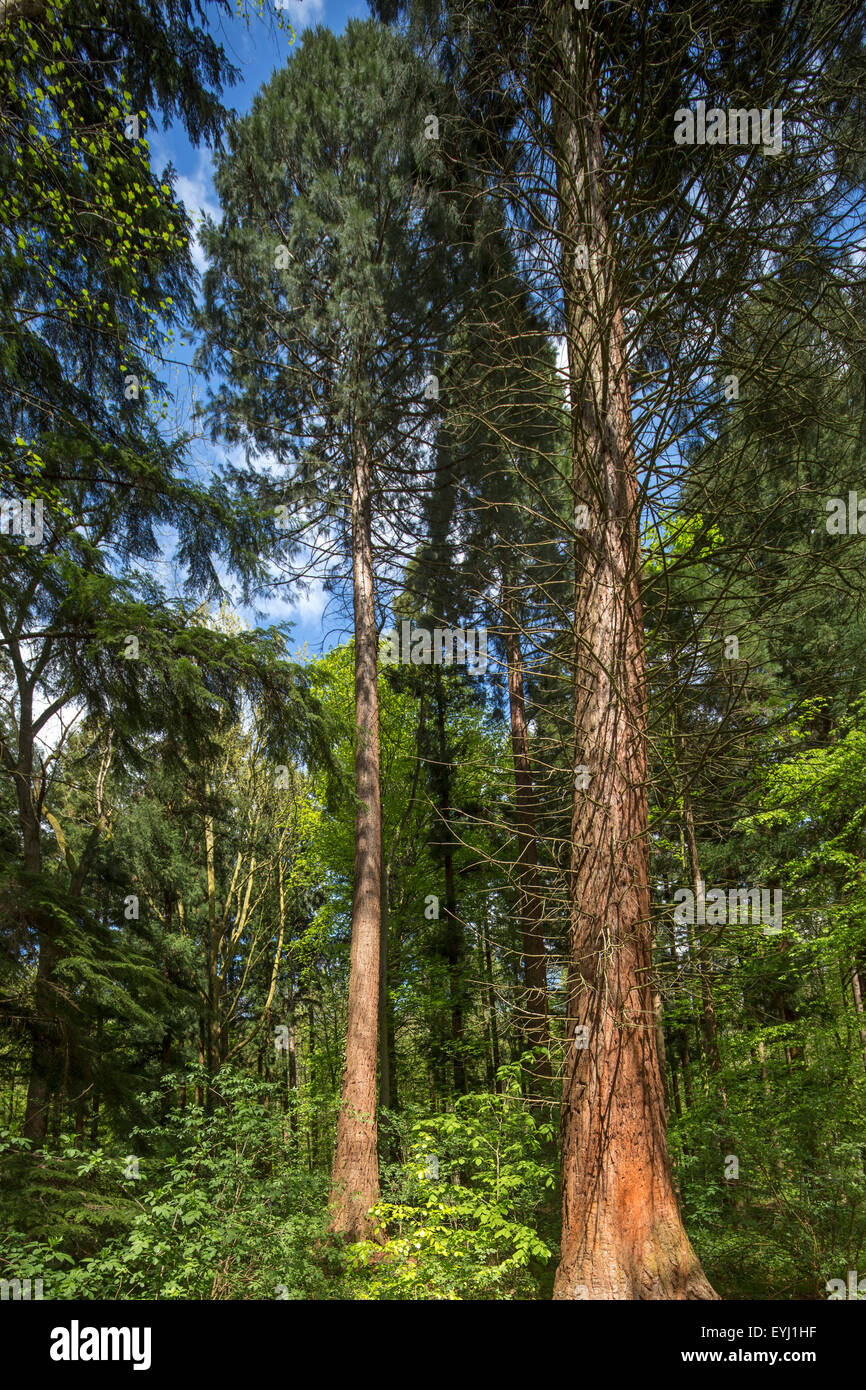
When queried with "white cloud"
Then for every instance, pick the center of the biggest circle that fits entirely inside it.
(310, 607)
(305, 608)
(196, 192)
(302, 13)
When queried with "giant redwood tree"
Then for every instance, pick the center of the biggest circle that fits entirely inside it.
(323, 312)
(630, 217)
(623, 1236)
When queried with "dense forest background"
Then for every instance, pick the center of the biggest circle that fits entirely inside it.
(382, 973)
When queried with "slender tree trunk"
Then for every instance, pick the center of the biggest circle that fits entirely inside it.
(387, 1059)
(680, 1036)
(454, 955)
(212, 1021)
(202, 1053)
(675, 1089)
(389, 951)
(57, 1114)
(45, 1058)
(164, 1064)
(658, 1011)
(389, 1041)
(94, 1120)
(530, 909)
(860, 967)
(385, 1053)
(309, 1081)
(491, 1006)
(858, 1005)
(452, 931)
(709, 1027)
(687, 1070)
(622, 1234)
(355, 1172)
(45, 1062)
(293, 1068)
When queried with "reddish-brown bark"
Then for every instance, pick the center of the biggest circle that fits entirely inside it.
(623, 1236)
(355, 1172)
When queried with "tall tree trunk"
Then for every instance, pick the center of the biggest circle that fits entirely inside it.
(675, 1091)
(202, 1057)
(452, 929)
(709, 1028)
(45, 1064)
(622, 1235)
(45, 1057)
(385, 1054)
(94, 1120)
(858, 1005)
(530, 908)
(355, 1172)
(860, 967)
(311, 1079)
(389, 951)
(454, 953)
(212, 1021)
(493, 1062)
(292, 1079)
(164, 1064)
(680, 1036)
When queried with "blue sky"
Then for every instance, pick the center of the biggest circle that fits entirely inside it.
(257, 48)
